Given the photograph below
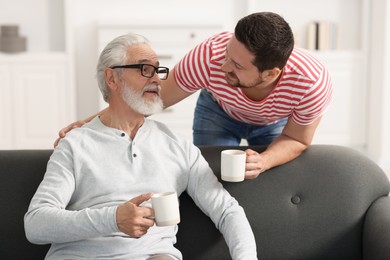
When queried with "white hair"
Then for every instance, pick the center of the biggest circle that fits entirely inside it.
(116, 53)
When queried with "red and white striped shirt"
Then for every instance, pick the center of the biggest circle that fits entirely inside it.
(303, 92)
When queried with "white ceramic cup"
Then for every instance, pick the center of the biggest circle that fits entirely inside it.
(166, 208)
(233, 165)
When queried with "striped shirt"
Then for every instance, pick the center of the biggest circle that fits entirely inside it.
(303, 92)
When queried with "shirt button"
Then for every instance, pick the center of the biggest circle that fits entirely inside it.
(134, 155)
(122, 134)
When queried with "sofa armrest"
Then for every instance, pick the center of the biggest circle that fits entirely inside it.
(376, 232)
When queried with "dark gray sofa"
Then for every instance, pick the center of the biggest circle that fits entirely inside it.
(330, 203)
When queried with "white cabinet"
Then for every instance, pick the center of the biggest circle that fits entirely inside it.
(345, 122)
(180, 116)
(36, 99)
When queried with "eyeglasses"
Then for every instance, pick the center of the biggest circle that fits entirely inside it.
(147, 70)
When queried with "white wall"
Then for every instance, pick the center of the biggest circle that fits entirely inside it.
(379, 99)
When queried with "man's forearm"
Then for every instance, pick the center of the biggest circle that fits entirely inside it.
(282, 150)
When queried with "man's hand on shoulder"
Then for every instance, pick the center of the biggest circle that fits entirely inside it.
(62, 133)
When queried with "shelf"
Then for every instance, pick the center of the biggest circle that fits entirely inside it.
(350, 16)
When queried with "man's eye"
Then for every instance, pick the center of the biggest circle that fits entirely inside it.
(237, 66)
(148, 69)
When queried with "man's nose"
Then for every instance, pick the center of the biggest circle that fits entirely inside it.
(226, 66)
(156, 78)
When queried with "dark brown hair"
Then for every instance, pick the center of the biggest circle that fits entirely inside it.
(268, 36)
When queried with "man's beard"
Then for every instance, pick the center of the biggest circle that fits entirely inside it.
(137, 101)
(235, 82)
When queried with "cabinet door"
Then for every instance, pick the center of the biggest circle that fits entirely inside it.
(5, 107)
(180, 116)
(345, 122)
(39, 102)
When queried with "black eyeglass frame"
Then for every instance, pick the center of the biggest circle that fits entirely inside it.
(141, 67)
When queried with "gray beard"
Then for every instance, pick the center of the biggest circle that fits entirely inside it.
(137, 102)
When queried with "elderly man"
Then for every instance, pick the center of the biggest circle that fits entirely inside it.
(82, 206)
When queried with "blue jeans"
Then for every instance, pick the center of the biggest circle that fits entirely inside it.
(212, 126)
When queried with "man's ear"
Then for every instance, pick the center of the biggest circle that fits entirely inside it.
(111, 78)
(271, 75)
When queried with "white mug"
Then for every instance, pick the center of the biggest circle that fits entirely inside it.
(166, 208)
(233, 165)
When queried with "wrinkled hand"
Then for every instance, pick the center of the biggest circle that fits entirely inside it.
(65, 130)
(133, 219)
(255, 164)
